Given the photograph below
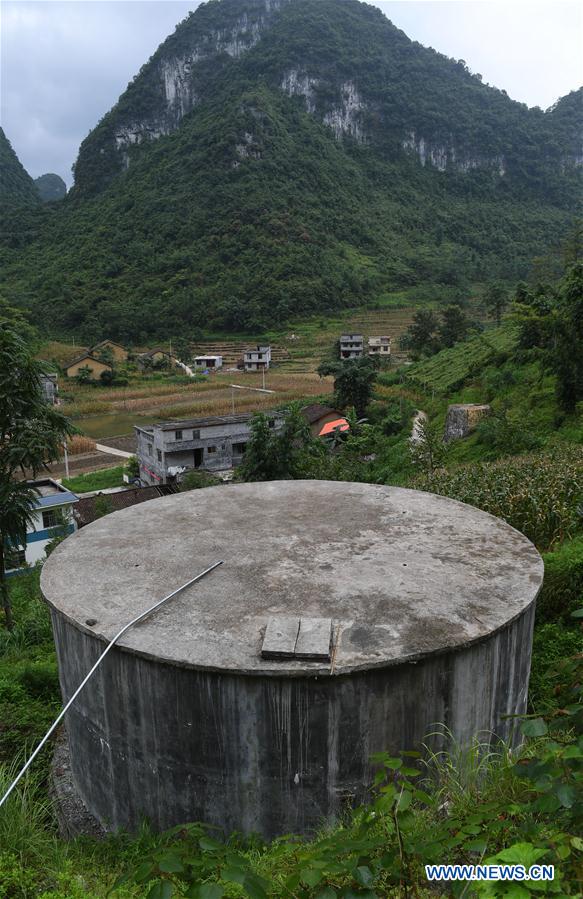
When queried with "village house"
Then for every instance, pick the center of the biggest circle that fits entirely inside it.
(87, 361)
(319, 417)
(118, 352)
(156, 356)
(379, 346)
(257, 358)
(51, 517)
(351, 346)
(167, 450)
(208, 363)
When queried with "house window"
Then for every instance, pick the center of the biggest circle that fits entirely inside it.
(149, 449)
(178, 435)
(50, 519)
(15, 558)
(196, 435)
(239, 449)
(159, 455)
(211, 449)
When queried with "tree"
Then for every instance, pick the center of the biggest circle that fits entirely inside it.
(31, 435)
(353, 382)
(454, 325)
(106, 356)
(551, 321)
(84, 374)
(182, 349)
(103, 505)
(428, 450)
(278, 454)
(496, 301)
(422, 335)
(567, 351)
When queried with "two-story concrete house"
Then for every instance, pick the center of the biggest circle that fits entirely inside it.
(51, 517)
(351, 346)
(379, 346)
(169, 449)
(257, 358)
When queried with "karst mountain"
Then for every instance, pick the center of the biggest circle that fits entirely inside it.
(279, 158)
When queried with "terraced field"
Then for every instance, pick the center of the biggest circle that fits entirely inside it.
(452, 368)
(312, 342)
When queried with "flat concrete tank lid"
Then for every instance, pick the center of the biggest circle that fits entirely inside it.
(400, 573)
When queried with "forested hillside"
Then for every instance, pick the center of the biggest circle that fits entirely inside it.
(277, 158)
(16, 185)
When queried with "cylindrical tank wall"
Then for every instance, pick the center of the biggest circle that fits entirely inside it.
(268, 754)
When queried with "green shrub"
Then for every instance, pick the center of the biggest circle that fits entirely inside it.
(41, 679)
(562, 591)
(502, 434)
(194, 480)
(398, 417)
(132, 467)
(551, 644)
(15, 881)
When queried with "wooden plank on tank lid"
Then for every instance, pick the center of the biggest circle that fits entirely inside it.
(314, 639)
(280, 638)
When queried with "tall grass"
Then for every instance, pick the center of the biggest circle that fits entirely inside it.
(26, 818)
(79, 444)
(32, 626)
(460, 775)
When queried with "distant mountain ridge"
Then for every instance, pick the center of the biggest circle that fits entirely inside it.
(277, 158)
(50, 187)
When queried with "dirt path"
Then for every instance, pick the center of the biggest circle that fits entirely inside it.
(418, 420)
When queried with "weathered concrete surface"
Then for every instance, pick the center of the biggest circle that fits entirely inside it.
(73, 816)
(463, 418)
(432, 607)
(404, 573)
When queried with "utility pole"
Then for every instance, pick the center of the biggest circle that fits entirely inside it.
(66, 459)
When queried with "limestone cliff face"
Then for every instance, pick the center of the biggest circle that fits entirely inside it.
(444, 155)
(343, 117)
(173, 75)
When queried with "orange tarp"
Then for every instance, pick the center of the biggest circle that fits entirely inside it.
(339, 423)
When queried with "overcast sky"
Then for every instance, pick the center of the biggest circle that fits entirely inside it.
(64, 63)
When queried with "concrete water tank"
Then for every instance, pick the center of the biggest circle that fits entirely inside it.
(429, 602)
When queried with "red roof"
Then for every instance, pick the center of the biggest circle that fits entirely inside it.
(339, 423)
